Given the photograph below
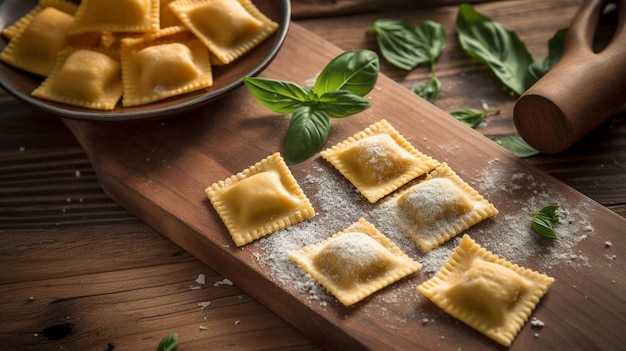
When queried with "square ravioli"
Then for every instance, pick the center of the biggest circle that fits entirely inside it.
(260, 200)
(83, 77)
(439, 208)
(65, 6)
(229, 28)
(166, 63)
(355, 262)
(37, 39)
(486, 292)
(378, 160)
(129, 16)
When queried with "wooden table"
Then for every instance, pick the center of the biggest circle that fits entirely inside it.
(74, 260)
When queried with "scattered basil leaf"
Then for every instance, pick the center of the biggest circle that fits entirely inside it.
(540, 67)
(338, 92)
(543, 220)
(468, 116)
(307, 132)
(168, 343)
(399, 44)
(278, 96)
(354, 71)
(342, 103)
(432, 38)
(429, 90)
(498, 47)
(472, 117)
(516, 144)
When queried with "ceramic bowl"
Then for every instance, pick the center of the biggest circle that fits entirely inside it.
(20, 84)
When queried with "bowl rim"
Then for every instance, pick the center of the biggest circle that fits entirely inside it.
(166, 111)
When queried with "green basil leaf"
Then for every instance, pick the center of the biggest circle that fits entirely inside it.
(550, 212)
(495, 45)
(543, 227)
(168, 343)
(429, 91)
(516, 144)
(354, 71)
(540, 67)
(279, 96)
(307, 132)
(468, 116)
(341, 103)
(431, 38)
(399, 44)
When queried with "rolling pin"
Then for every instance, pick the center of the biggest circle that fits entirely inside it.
(582, 90)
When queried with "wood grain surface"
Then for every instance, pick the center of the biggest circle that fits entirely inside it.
(77, 257)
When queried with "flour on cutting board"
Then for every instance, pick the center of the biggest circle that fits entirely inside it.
(508, 234)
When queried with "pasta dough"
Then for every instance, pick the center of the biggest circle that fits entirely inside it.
(486, 292)
(440, 207)
(260, 200)
(378, 160)
(355, 262)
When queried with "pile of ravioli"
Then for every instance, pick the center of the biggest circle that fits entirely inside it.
(492, 295)
(99, 52)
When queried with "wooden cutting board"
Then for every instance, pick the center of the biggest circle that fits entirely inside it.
(159, 169)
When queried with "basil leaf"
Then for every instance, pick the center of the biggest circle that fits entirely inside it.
(354, 71)
(399, 44)
(468, 116)
(168, 343)
(429, 91)
(493, 44)
(518, 146)
(550, 212)
(542, 221)
(431, 38)
(341, 103)
(279, 96)
(540, 67)
(307, 132)
(543, 227)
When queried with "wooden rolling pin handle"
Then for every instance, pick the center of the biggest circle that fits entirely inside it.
(582, 90)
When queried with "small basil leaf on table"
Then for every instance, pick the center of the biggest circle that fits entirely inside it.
(543, 219)
(354, 71)
(307, 132)
(468, 116)
(498, 47)
(168, 343)
(278, 96)
(429, 90)
(516, 144)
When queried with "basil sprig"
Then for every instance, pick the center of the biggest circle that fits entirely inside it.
(338, 92)
(543, 220)
(168, 343)
(502, 50)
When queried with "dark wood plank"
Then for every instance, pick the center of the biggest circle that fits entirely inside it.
(161, 179)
